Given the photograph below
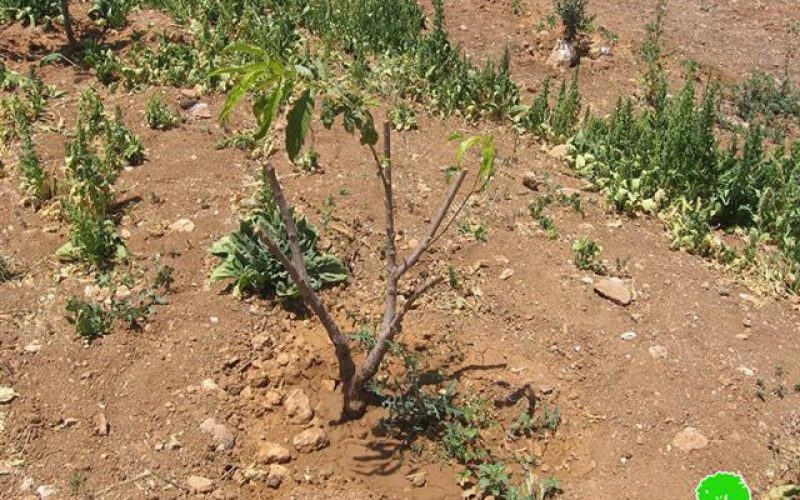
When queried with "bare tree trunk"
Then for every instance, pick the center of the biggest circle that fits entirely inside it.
(354, 378)
(68, 24)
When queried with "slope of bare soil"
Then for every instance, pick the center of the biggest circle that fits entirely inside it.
(702, 341)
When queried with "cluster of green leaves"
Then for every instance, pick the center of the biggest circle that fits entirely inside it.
(420, 403)
(574, 16)
(253, 268)
(95, 320)
(35, 180)
(112, 13)
(159, 115)
(654, 79)
(587, 255)
(667, 158)
(557, 121)
(762, 97)
(101, 147)
(31, 11)
(537, 211)
(25, 105)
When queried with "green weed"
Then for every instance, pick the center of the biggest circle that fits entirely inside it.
(474, 229)
(574, 16)
(111, 13)
(159, 115)
(252, 267)
(587, 255)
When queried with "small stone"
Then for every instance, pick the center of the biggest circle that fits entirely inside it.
(209, 385)
(7, 394)
(282, 359)
(530, 181)
(254, 475)
(417, 479)
(273, 453)
(507, 273)
(182, 226)
(257, 378)
(689, 439)
(273, 398)
(68, 422)
(46, 491)
(33, 347)
(747, 322)
(101, 426)
(200, 110)
(615, 290)
(328, 384)
(746, 371)
(311, 440)
(628, 336)
(222, 436)
(298, 408)
(277, 475)
(558, 152)
(658, 352)
(173, 443)
(200, 484)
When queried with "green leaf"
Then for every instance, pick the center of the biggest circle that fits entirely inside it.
(299, 121)
(246, 48)
(237, 94)
(488, 155)
(465, 146)
(266, 110)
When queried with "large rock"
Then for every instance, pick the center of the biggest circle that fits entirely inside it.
(689, 439)
(311, 440)
(298, 408)
(223, 438)
(272, 453)
(564, 55)
(615, 290)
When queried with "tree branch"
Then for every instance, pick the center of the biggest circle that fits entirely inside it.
(297, 271)
(409, 262)
(370, 366)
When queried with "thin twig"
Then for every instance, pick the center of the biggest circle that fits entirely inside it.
(409, 262)
(133, 479)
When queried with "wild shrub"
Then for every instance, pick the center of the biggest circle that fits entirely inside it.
(89, 176)
(654, 79)
(34, 179)
(574, 16)
(761, 96)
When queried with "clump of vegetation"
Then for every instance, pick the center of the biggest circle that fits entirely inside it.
(254, 269)
(93, 234)
(474, 229)
(93, 321)
(34, 179)
(111, 13)
(574, 16)
(403, 118)
(655, 81)
(159, 115)
(763, 97)
(557, 122)
(32, 12)
(587, 255)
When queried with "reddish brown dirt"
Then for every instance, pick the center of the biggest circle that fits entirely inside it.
(621, 406)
